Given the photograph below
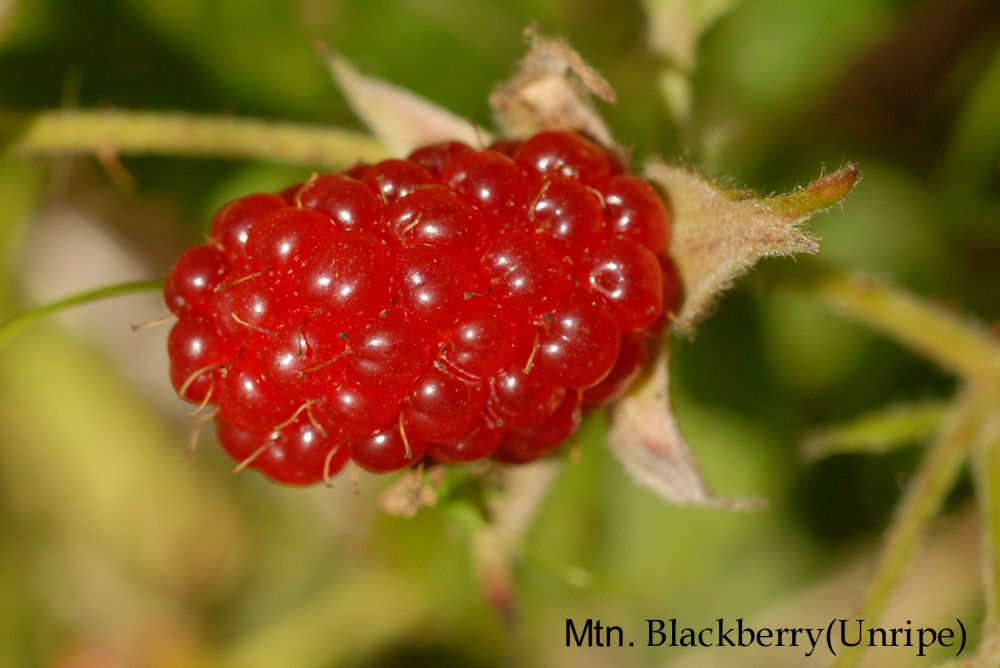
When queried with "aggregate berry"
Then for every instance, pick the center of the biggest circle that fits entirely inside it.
(231, 226)
(528, 444)
(442, 406)
(628, 276)
(527, 270)
(192, 282)
(352, 276)
(197, 352)
(285, 238)
(435, 284)
(457, 305)
(479, 442)
(490, 180)
(579, 346)
(351, 204)
(387, 450)
(387, 352)
(438, 216)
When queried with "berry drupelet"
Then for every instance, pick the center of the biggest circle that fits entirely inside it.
(453, 306)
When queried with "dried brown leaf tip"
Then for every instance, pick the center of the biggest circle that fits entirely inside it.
(415, 489)
(719, 234)
(553, 88)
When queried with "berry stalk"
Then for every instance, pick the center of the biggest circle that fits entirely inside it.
(175, 133)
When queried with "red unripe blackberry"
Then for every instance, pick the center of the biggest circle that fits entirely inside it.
(557, 152)
(628, 276)
(387, 450)
(456, 305)
(351, 204)
(479, 442)
(393, 180)
(442, 406)
(191, 283)
(578, 345)
(528, 444)
(231, 226)
(437, 216)
(352, 276)
(490, 180)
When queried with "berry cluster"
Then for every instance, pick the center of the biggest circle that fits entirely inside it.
(456, 305)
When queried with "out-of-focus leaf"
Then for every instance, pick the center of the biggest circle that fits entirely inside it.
(879, 431)
(675, 26)
(7, 8)
(719, 234)
(400, 119)
(83, 454)
(344, 623)
(256, 52)
(552, 88)
(974, 154)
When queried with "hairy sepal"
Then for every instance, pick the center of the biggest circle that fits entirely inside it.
(719, 234)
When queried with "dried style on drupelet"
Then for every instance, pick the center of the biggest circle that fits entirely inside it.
(457, 305)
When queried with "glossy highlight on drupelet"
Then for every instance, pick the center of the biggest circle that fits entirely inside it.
(457, 305)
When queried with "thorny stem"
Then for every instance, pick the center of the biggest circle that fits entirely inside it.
(924, 496)
(178, 133)
(25, 319)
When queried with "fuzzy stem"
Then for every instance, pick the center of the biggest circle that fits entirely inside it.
(962, 346)
(178, 133)
(25, 319)
(924, 496)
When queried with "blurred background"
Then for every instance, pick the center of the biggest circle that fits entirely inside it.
(117, 550)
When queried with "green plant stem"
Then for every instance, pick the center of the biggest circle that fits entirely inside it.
(110, 132)
(987, 487)
(25, 319)
(924, 496)
(962, 346)
(986, 471)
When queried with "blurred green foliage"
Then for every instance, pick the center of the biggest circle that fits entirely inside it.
(112, 544)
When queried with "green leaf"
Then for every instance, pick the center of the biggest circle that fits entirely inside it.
(879, 431)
